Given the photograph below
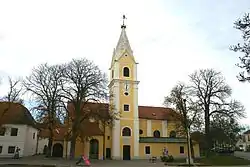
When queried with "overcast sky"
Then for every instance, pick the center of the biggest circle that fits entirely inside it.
(170, 39)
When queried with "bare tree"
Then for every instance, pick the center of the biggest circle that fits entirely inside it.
(13, 96)
(15, 91)
(44, 84)
(83, 83)
(243, 25)
(214, 97)
(188, 112)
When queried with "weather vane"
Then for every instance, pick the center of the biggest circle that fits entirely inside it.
(123, 21)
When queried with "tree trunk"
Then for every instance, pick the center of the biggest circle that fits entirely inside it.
(73, 145)
(50, 143)
(104, 143)
(66, 149)
(207, 132)
(192, 148)
(75, 125)
(49, 150)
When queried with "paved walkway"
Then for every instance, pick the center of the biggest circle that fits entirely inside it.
(70, 163)
(245, 155)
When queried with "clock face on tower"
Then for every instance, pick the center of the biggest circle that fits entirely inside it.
(126, 86)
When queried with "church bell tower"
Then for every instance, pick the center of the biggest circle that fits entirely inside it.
(123, 88)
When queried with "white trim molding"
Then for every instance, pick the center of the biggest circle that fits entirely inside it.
(116, 128)
(135, 72)
(164, 128)
(116, 70)
(145, 149)
(136, 120)
(131, 131)
(149, 128)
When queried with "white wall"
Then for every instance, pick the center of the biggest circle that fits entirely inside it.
(7, 140)
(27, 147)
(30, 142)
(41, 143)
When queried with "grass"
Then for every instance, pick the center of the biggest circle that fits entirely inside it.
(222, 160)
(214, 160)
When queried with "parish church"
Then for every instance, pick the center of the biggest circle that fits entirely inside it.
(141, 131)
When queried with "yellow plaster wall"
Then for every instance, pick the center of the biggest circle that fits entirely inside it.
(108, 142)
(126, 100)
(173, 149)
(196, 147)
(143, 127)
(156, 125)
(127, 140)
(126, 61)
(83, 147)
(155, 149)
(172, 127)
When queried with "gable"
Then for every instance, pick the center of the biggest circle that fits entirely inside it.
(15, 113)
(127, 58)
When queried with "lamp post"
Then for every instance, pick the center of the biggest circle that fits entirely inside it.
(187, 132)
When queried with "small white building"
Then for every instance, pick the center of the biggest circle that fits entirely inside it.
(17, 129)
(244, 142)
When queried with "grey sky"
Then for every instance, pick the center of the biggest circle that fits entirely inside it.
(170, 39)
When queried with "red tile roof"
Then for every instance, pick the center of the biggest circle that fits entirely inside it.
(60, 133)
(15, 113)
(156, 113)
(144, 112)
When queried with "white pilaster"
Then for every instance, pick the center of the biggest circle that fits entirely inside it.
(136, 123)
(67, 150)
(149, 128)
(116, 128)
(116, 71)
(164, 128)
(135, 72)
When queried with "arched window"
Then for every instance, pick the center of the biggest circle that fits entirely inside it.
(126, 131)
(157, 134)
(172, 134)
(126, 72)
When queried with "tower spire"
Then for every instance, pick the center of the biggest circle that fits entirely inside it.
(123, 26)
(123, 43)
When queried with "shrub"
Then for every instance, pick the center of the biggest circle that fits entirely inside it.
(248, 148)
(168, 158)
(238, 149)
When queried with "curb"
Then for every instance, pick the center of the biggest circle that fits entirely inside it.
(33, 165)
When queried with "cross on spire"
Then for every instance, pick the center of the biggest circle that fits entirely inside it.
(123, 21)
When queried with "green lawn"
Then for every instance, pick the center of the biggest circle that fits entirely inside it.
(222, 160)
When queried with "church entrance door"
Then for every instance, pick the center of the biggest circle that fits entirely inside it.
(93, 149)
(126, 152)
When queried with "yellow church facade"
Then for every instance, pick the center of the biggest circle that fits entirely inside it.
(141, 131)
